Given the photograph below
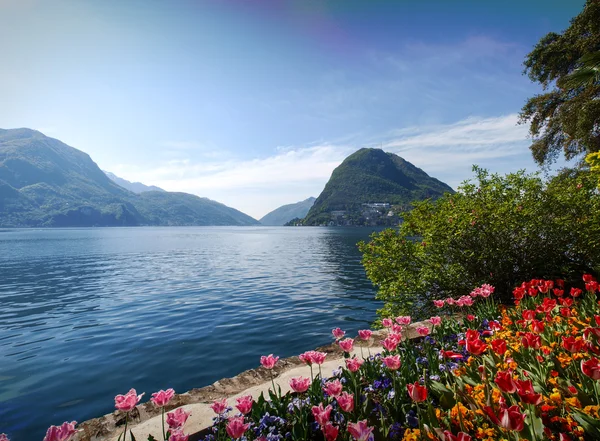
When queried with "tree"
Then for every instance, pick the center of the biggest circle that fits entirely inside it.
(567, 116)
(496, 229)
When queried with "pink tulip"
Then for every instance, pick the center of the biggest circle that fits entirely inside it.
(330, 431)
(300, 384)
(360, 431)
(347, 344)
(392, 362)
(128, 401)
(3, 437)
(338, 333)
(438, 303)
(178, 435)
(318, 357)
(219, 406)
(435, 321)
(390, 344)
(177, 418)
(162, 397)
(486, 290)
(467, 301)
(365, 334)
(56, 433)
(450, 301)
(353, 364)
(387, 323)
(396, 335)
(244, 404)
(333, 388)
(396, 329)
(403, 320)
(321, 414)
(268, 361)
(346, 401)
(236, 428)
(423, 331)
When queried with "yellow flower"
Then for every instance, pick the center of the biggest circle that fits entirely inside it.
(556, 396)
(411, 435)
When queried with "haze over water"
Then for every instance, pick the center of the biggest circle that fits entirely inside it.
(86, 314)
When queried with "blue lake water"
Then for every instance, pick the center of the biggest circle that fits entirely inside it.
(86, 314)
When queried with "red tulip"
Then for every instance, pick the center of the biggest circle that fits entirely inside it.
(330, 432)
(472, 334)
(499, 346)
(526, 392)
(505, 382)
(476, 347)
(528, 314)
(537, 326)
(462, 436)
(509, 418)
(450, 354)
(575, 292)
(417, 392)
(591, 368)
(571, 344)
(588, 278)
(532, 341)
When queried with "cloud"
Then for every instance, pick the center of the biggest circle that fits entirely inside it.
(291, 174)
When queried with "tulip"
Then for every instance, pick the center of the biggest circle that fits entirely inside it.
(403, 320)
(417, 392)
(177, 418)
(587, 278)
(471, 317)
(346, 401)
(571, 344)
(244, 404)
(591, 368)
(162, 397)
(236, 428)
(321, 414)
(450, 301)
(438, 303)
(505, 382)
(575, 292)
(268, 361)
(338, 333)
(558, 292)
(347, 344)
(592, 286)
(178, 435)
(330, 432)
(56, 433)
(462, 436)
(333, 388)
(508, 418)
(532, 341)
(537, 326)
(353, 364)
(476, 347)
(450, 354)
(219, 406)
(526, 392)
(499, 346)
(392, 362)
(423, 331)
(528, 314)
(597, 320)
(299, 384)
(387, 323)
(472, 334)
(128, 401)
(435, 321)
(360, 431)
(4, 437)
(390, 344)
(365, 334)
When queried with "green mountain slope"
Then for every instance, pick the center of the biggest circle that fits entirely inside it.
(371, 176)
(285, 213)
(46, 183)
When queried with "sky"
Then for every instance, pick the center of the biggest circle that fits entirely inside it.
(253, 103)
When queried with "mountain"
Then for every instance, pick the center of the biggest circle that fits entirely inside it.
(136, 187)
(285, 213)
(46, 183)
(371, 186)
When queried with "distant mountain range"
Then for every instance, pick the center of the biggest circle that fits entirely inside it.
(285, 213)
(46, 183)
(136, 187)
(371, 187)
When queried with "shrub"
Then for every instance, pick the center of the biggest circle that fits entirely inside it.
(500, 229)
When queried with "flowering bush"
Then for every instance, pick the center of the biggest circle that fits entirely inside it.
(530, 372)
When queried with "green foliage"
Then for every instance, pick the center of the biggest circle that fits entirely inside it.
(497, 229)
(567, 116)
(45, 183)
(370, 176)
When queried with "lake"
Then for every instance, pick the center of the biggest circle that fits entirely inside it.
(86, 314)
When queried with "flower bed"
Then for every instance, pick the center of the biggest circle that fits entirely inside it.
(526, 372)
